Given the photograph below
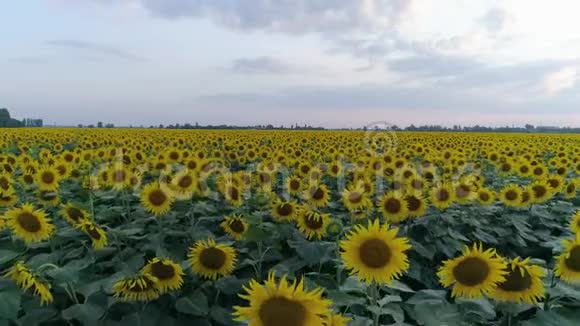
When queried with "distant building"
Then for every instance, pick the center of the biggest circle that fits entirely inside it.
(33, 123)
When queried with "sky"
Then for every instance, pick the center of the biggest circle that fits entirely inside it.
(332, 63)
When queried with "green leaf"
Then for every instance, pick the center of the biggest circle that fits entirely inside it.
(195, 304)
(10, 299)
(389, 299)
(480, 307)
(231, 285)
(87, 314)
(342, 299)
(428, 297)
(222, 315)
(7, 255)
(313, 253)
(352, 284)
(256, 234)
(555, 317)
(400, 286)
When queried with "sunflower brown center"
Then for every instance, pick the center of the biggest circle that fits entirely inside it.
(484, 196)
(120, 176)
(234, 193)
(392, 205)
(94, 233)
(75, 214)
(185, 181)
(538, 171)
(212, 258)
(414, 203)
(571, 188)
(162, 271)
(442, 195)
(157, 197)
(539, 191)
(511, 195)
(237, 226)
(462, 191)
(524, 169)
(47, 177)
(355, 197)
(471, 271)
(375, 253)
(28, 179)
(285, 209)
(4, 184)
(573, 262)
(29, 222)
(294, 184)
(313, 221)
(317, 193)
(515, 282)
(554, 183)
(282, 312)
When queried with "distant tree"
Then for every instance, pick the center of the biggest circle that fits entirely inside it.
(80, 125)
(161, 126)
(99, 124)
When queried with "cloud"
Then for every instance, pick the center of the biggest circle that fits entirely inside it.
(562, 79)
(287, 16)
(496, 19)
(261, 65)
(102, 49)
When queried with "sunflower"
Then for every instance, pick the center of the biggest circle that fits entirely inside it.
(28, 224)
(575, 223)
(317, 194)
(184, 183)
(375, 253)
(141, 287)
(473, 274)
(233, 194)
(336, 320)
(8, 197)
(442, 196)
(156, 199)
(485, 196)
(95, 232)
(570, 190)
(394, 207)
(313, 224)
(74, 215)
(48, 198)
(523, 283)
(168, 273)
(285, 303)
(294, 185)
(540, 192)
(555, 182)
(511, 195)
(416, 204)
(465, 192)
(235, 226)
(47, 178)
(28, 280)
(120, 177)
(568, 265)
(212, 260)
(355, 198)
(284, 211)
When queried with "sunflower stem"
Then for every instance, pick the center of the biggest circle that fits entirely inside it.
(374, 289)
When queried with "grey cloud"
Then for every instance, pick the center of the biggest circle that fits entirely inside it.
(102, 49)
(261, 65)
(288, 16)
(496, 19)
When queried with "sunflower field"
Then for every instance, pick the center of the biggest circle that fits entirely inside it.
(288, 228)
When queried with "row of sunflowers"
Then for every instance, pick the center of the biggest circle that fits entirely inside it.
(113, 226)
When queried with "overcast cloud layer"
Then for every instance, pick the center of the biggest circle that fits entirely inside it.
(338, 63)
